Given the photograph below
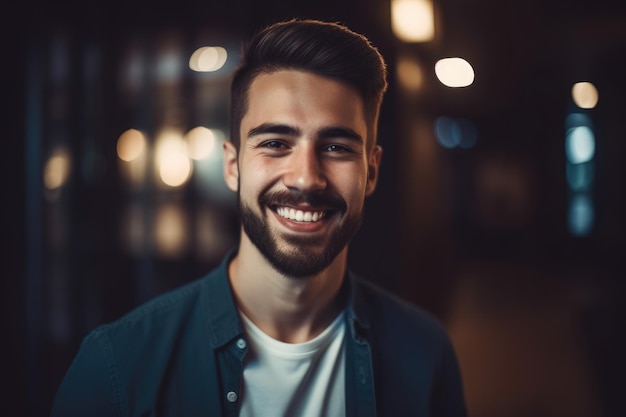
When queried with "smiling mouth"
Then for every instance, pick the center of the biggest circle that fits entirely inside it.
(300, 215)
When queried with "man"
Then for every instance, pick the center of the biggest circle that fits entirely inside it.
(281, 328)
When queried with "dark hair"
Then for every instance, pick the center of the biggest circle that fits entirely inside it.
(322, 48)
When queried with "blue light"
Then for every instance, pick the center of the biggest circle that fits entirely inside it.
(580, 145)
(577, 119)
(447, 132)
(580, 176)
(451, 133)
(581, 215)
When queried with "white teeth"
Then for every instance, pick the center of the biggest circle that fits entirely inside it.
(299, 215)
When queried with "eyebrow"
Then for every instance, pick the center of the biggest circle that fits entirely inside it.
(325, 133)
(273, 128)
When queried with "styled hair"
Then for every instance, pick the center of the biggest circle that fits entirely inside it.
(322, 48)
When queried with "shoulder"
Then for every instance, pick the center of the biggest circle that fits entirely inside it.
(379, 304)
(411, 352)
(397, 325)
(158, 308)
(182, 311)
(411, 342)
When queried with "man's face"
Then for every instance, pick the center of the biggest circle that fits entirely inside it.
(302, 171)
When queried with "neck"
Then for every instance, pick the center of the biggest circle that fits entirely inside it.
(292, 310)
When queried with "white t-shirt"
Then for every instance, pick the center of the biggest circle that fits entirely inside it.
(295, 379)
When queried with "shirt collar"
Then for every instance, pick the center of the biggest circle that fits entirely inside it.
(223, 317)
(221, 312)
(357, 307)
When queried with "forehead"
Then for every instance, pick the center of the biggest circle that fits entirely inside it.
(303, 98)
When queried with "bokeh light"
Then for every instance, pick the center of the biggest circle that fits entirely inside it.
(173, 165)
(208, 59)
(581, 215)
(454, 72)
(200, 142)
(451, 133)
(577, 119)
(57, 168)
(580, 176)
(580, 144)
(585, 95)
(413, 20)
(131, 145)
(410, 74)
(208, 173)
(170, 232)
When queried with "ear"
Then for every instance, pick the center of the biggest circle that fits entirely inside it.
(373, 164)
(231, 166)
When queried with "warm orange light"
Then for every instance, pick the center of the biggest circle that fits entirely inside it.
(410, 74)
(57, 169)
(173, 165)
(130, 145)
(170, 231)
(200, 142)
(585, 95)
(413, 20)
(208, 59)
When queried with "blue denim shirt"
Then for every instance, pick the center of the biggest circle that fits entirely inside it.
(182, 354)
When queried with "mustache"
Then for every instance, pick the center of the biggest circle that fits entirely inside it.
(316, 199)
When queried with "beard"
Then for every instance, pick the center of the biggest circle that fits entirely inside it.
(297, 259)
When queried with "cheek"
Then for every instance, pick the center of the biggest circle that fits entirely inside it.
(352, 188)
(255, 178)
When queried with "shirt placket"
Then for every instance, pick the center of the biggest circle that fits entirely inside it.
(360, 390)
(231, 374)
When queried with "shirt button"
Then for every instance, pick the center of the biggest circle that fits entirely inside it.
(241, 344)
(231, 396)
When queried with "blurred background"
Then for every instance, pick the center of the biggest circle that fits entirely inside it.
(500, 209)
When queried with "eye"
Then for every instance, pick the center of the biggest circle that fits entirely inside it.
(336, 148)
(273, 144)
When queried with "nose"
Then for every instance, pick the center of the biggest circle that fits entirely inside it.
(305, 170)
